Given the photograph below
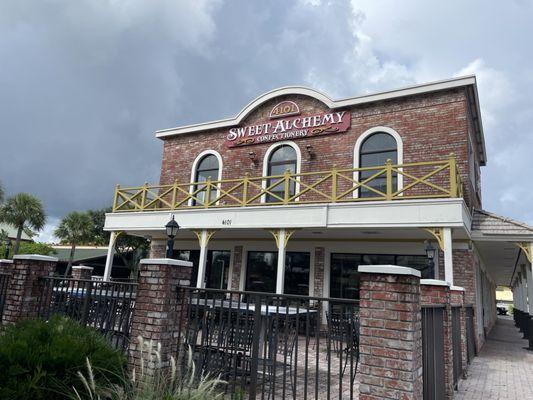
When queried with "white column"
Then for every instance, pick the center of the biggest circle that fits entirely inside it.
(204, 240)
(280, 276)
(520, 293)
(529, 275)
(525, 286)
(448, 255)
(110, 256)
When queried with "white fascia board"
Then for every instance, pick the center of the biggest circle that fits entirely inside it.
(388, 269)
(386, 214)
(481, 237)
(332, 104)
(400, 213)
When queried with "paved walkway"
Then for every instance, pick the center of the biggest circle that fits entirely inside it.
(502, 370)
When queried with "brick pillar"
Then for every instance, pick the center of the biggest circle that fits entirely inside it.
(236, 271)
(157, 313)
(390, 334)
(158, 248)
(437, 293)
(457, 299)
(82, 272)
(319, 272)
(6, 266)
(25, 287)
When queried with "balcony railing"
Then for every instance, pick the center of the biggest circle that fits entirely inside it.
(421, 180)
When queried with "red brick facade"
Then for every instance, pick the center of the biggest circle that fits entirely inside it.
(158, 311)
(25, 286)
(390, 337)
(431, 127)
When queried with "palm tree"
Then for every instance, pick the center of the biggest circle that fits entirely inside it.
(74, 228)
(2, 193)
(25, 212)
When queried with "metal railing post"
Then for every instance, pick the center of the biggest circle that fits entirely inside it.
(388, 167)
(453, 175)
(245, 189)
(255, 347)
(86, 303)
(207, 198)
(334, 183)
(286, 181)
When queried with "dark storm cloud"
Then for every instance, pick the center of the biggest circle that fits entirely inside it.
(84, 84)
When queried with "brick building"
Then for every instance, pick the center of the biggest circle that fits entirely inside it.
(298, 190)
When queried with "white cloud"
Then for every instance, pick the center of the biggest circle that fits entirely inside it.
(47, 234)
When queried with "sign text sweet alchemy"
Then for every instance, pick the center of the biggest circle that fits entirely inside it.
(289, 128)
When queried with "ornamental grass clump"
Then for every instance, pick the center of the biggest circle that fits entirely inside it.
(154, 383)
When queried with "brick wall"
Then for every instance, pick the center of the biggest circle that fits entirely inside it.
(237, 268)
(158, 311)
(431, 126)
(25, 286)
(390, 337)
(319, 272)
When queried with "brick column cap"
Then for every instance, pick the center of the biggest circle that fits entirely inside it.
(388, 270)
(457, 288)
(35, 257)
(166, 261)
(434, 282)
(4, 261)
(82, 267)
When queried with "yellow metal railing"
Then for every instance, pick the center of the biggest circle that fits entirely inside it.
(421, 180)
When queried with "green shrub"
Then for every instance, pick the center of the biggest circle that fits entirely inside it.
(41, 360)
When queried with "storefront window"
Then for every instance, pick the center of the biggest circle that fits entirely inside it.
(261, 272)
(344, 278)
(375, 151)
(282, 159)
(217, 267)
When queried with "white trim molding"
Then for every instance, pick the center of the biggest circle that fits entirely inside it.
(365, 135)
(266, 158)
(165, 261)
(195, 163)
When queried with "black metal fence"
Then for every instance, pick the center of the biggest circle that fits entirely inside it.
(105, 306)
(268, 346)
(456, 345)
(4, 283)
(433, 352)
(470, 334)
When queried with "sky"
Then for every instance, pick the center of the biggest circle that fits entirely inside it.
(85, 84)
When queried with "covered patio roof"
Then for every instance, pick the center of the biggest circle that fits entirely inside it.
(503, 244)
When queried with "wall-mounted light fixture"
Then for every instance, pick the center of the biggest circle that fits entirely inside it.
(251, 156)
(310, 152)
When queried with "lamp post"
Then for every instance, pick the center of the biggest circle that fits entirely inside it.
(430, 253)
(7, 245)
(171, 228)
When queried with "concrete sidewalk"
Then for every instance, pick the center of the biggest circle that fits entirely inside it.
(502, 370)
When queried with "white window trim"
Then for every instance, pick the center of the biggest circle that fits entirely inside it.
(359, 143)
(268, 153)
(197, 160)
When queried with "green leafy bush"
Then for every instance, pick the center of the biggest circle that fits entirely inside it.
(41, 360)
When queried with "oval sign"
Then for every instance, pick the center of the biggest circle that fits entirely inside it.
(284, 109)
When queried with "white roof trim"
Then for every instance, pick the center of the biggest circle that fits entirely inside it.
(35, 257)
(166, 261)
(332, 104)
(389, 270)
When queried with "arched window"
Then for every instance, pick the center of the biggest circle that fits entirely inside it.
(283, 158)
(208, 166)
(375, 150)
